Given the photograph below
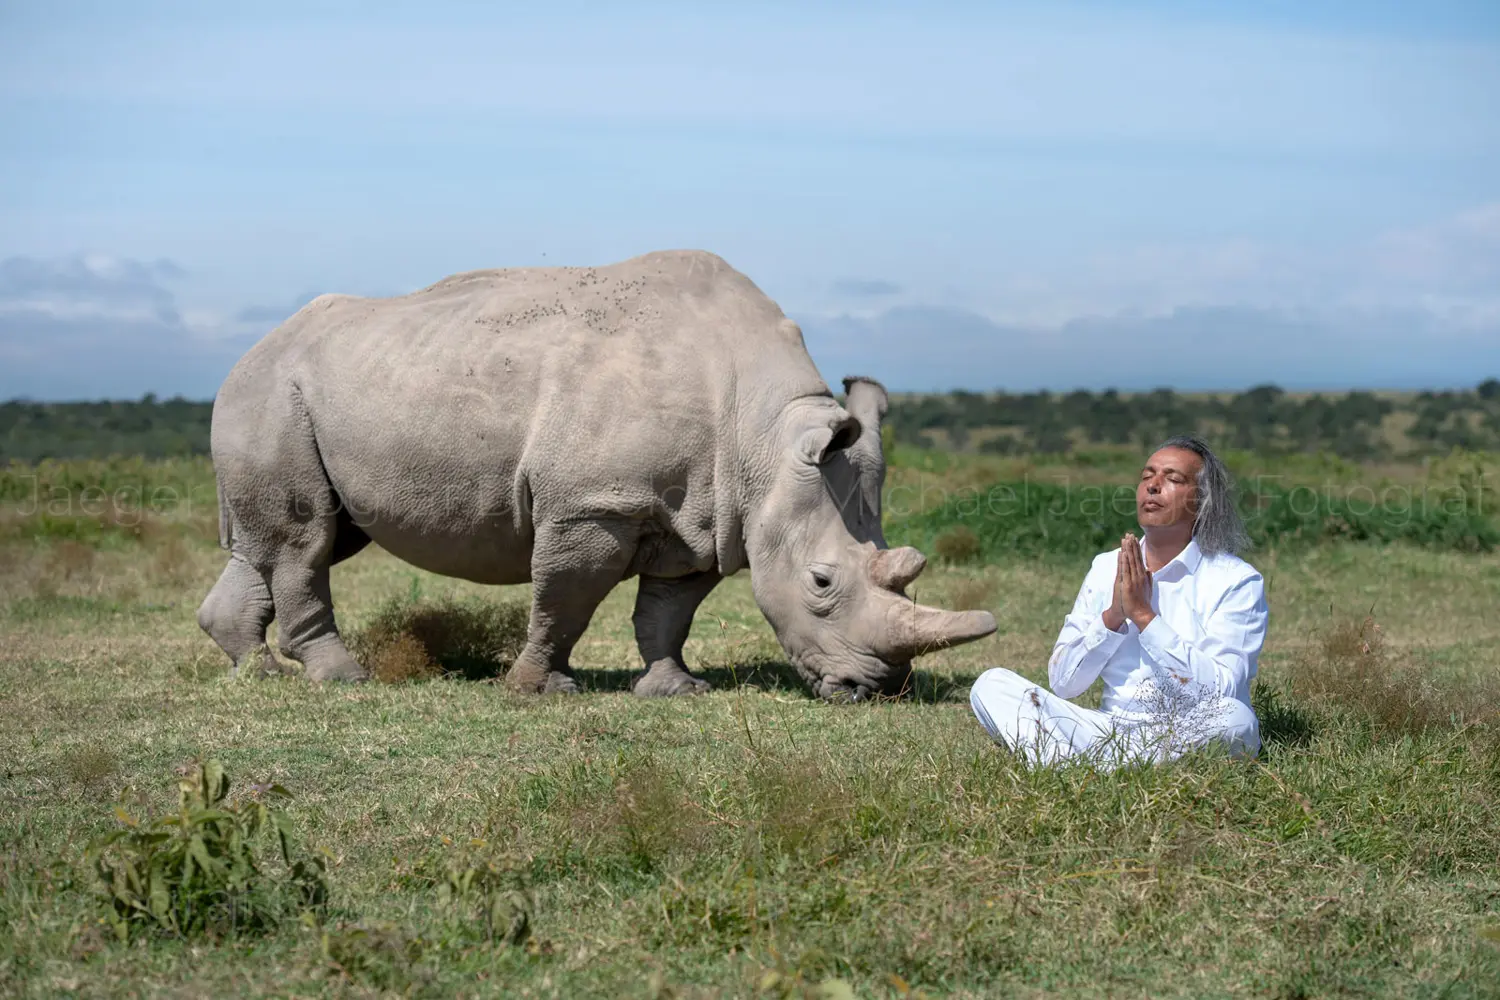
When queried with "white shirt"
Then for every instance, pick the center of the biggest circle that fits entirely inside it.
(1205, 640)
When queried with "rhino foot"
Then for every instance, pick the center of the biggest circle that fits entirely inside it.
(258, 663)
(325, 659)
(528, 677)
(560, 683)
(347, 670)
(667, 678)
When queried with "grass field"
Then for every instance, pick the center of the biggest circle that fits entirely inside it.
(754, 842)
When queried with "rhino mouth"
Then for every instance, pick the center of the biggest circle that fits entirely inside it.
(866, 678)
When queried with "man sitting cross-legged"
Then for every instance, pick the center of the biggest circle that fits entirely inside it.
(1173, 628)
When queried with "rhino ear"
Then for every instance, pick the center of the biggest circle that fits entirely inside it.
(818, 444)
(868, 401)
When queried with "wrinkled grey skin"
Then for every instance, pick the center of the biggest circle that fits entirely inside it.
(570, 427)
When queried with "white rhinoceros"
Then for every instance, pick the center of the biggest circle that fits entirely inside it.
(571, 427)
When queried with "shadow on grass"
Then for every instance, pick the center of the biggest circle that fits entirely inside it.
(926, 688)
(408, 639)
(764, 675)
(1282, 722)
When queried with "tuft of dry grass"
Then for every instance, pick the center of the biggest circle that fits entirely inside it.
(402, 660)
(89, 764)
(1351, 665)
(71, 560)
(648, 817)
(45, 572)
(801, 808)
(973, 594)
(171, 560)
(410, 639)
(1354, 641)
(957, 544)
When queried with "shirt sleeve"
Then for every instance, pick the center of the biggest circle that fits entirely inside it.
(1220, 661)
(1084, 645)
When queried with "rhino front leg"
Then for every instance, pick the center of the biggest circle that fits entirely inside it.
(664, 611)
(574, 566)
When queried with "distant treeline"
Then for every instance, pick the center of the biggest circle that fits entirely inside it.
(152, 428)
(1266, 419)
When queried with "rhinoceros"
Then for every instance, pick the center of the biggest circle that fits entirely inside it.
(570, 427)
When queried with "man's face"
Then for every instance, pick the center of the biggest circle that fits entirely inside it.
(1168, 491)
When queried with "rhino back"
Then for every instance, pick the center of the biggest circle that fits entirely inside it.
(453, 418)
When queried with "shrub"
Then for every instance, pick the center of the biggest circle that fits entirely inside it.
(1302, 516)
(1015, 518)
(404, 658)
(196, 871)
(411, 639)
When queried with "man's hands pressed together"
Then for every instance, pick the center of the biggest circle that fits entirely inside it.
(1132, 588)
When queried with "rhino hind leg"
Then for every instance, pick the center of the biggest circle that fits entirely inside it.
(304, 613)
(574, 566)
(664, 610)
(304, 601)
(286, 522)
(236, 614)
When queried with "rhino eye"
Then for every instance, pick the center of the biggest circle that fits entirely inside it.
(821, 580)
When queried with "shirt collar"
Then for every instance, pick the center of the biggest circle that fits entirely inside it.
(1189, 558)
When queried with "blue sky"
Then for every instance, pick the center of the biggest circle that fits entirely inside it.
(1005, 195)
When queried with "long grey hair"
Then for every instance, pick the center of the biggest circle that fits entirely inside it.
(1218, 527)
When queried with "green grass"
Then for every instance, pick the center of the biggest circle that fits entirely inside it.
(169, 484)
(1008, 519)
(753, 842)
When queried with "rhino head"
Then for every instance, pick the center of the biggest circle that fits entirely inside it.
(819, 565)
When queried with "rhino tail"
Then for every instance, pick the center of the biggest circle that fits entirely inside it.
(226, 523)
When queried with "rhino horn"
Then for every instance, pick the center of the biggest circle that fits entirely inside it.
(893, 569)
(915, 629)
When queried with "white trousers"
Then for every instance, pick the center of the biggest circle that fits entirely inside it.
(1042, 728)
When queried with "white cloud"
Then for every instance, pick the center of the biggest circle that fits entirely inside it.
(1449, 269)
(931, 349)
(1418, 306)
(1457, 257)
(88, 284)
(97, 325)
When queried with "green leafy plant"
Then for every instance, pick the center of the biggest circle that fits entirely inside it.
(785, 983)
(382, 954)
(196, 871)
(482, 890)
